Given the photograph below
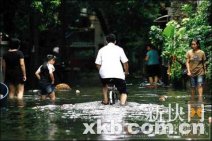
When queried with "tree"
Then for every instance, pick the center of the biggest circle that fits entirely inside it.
(177, 34)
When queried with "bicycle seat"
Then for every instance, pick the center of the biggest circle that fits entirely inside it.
(111, 85)
(111, 81)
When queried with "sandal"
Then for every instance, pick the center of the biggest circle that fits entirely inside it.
(104, 103)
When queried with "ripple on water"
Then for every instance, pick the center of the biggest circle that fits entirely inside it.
(208, 108)
(97, 110)
(146, 95)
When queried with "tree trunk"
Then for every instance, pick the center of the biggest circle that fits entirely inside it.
(64, 25)
(34, 43)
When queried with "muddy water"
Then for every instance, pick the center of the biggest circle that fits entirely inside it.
(161, 113)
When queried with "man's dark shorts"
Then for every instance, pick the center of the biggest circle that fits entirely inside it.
(119, 83)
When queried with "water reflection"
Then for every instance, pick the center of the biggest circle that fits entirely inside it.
(111, 121)
(17, 117)
(15, 103)
(42, 120)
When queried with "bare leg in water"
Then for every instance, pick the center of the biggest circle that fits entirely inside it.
(123, 99)
(104, 92)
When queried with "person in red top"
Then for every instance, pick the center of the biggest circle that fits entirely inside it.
(195, 63)
(14, 69)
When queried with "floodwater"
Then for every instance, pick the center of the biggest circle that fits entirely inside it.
(158, 113)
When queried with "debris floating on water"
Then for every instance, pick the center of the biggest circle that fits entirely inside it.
(163, 98)
(77, 91)
(62, 86)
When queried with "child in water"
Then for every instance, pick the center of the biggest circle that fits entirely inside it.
(46, 78)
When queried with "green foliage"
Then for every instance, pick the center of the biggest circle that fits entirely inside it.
(178, 34)
(47, 11)
(156, 36)
(187, 9)
(38, 6)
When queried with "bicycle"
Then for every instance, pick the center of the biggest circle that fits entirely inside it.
(112, 93)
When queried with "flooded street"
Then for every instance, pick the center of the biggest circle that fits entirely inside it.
(159, 113)
(157, 46)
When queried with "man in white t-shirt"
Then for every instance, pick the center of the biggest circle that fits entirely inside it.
(109, 63)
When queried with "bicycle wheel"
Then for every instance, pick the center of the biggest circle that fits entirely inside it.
(111, 97)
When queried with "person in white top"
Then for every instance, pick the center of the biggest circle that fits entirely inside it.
(109, 62)
(46, 78)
